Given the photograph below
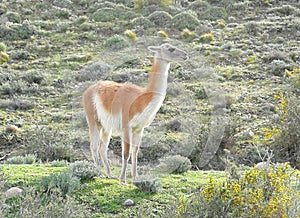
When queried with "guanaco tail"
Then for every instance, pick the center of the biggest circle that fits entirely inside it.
(128, 109)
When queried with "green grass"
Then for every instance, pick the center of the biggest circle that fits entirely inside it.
(106, 196)
(19, 175)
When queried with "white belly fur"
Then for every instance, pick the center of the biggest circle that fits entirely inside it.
(114, 122)
(108, 121)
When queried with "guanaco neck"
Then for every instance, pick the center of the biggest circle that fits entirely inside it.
(158, 76)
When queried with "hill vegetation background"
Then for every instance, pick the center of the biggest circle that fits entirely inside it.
(235, 102)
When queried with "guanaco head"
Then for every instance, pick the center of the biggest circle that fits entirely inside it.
(168, 52)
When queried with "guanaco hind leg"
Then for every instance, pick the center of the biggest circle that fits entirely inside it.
(104, 142)
(94, 145)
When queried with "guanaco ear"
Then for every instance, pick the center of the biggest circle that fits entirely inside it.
(154, 48)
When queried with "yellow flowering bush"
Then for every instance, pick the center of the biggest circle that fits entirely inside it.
(270, 192)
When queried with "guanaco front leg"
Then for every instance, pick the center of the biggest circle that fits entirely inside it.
(136, 141)
(126, 139)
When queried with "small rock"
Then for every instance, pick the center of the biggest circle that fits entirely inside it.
(128, 202)
(262, 165)
(13, 192)
(248, 134)
(84, 185)
(12, 128)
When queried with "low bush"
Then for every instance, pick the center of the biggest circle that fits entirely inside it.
(2, 47)
(174, 164)
(49, 144)
(13, 17)
(103, 15)
(27, 159)
(59, 163)
(140, 4)
(65, 182)
(160, 18)
(17, 31)
(148, 184)
(13, 87)
(185, 20)
(94, 71)
(116, 42)
(141, 23)
(33, 77)
(83, 170)
(213, 13)
(108, 14)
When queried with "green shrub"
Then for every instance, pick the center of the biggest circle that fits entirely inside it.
(17, 31)
(109, 14)
(198, 6)
(33, 77)
(13, 17)
(140, 4)
(2, 47)
(160, 18)
(200, 92)
(63, 13)
(27, 159)
(185, 20)
(174, 164)
(81, 20)
(13, 87)
(103, 15)
(213, 13)
(83, 170)
(116, 42)
(94, 71)
(148, 184)
(62, 3)
(65, 182)
(285, 10)
(141, 23)
(59, 163)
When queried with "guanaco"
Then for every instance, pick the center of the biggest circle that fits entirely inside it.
(127, 109)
